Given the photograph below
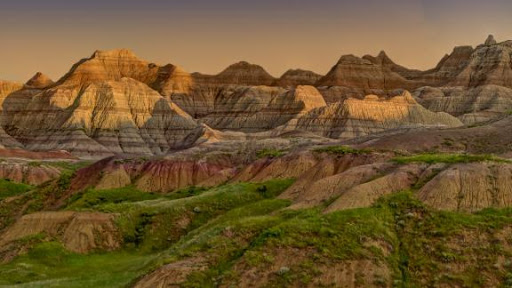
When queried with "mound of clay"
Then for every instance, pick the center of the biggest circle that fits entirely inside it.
(23, 172)
(470, 187)
(78, 232)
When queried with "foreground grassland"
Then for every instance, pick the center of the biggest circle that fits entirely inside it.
(236, 228)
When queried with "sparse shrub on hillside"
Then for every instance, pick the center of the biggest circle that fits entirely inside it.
(270, 153)
(342, 150)
(432, 158)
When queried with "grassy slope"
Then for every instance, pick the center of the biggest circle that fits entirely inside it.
(240, 226)
(49, 265)
(9, 188)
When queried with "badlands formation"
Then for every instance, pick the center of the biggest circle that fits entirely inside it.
(125, 173)
(114, 103)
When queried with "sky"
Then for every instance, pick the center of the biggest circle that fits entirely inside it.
(208, 35)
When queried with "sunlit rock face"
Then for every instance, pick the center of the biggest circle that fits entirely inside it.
(115, 103)
(354, 117)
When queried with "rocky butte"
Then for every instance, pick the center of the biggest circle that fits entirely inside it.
(127, 173)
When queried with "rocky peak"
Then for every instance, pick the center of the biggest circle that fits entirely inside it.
(367, 73)
(244, 67)
(39, 81)
(244, 73)
(490, 41)
(352, 59)
(294, 77)
(381, 59)
(115, 53)
(488, 64)
(110, 65)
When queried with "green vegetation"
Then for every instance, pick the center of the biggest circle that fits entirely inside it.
(46, 192)
(243, 227)
(270, 153)
(9, 188)
(342, 150)
(69, 165)
(50, 265)
(92, 198)
(66, 166)
(187, 192)
(432, 158)
(156, 224)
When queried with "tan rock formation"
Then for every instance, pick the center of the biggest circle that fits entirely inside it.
(471, 105)
(241, 73)
(489, 64)
(492, 138)
(332, 187)
(110, 65)
(365, 75)
(470, 187)
(383, 60)
(124, 116)
(353, 117)
(263, 108)
(291, 166)
(25, 172)
(7, 87)
(296, 77)
(447, 69)
(154, 176)
(364, 195)
(78, 232)
(39, 81)
(172, 275)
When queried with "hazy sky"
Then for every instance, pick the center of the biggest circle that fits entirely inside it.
(208, 35)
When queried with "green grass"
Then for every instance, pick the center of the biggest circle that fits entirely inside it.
(342, 150)
(67, 166)
(9, 188)
(92, 198)
(156, 224)
(270, 153)
(410, 229)
(246, 223)
(50, 265)
(432, 158)
(187, 192)
(332, 237)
